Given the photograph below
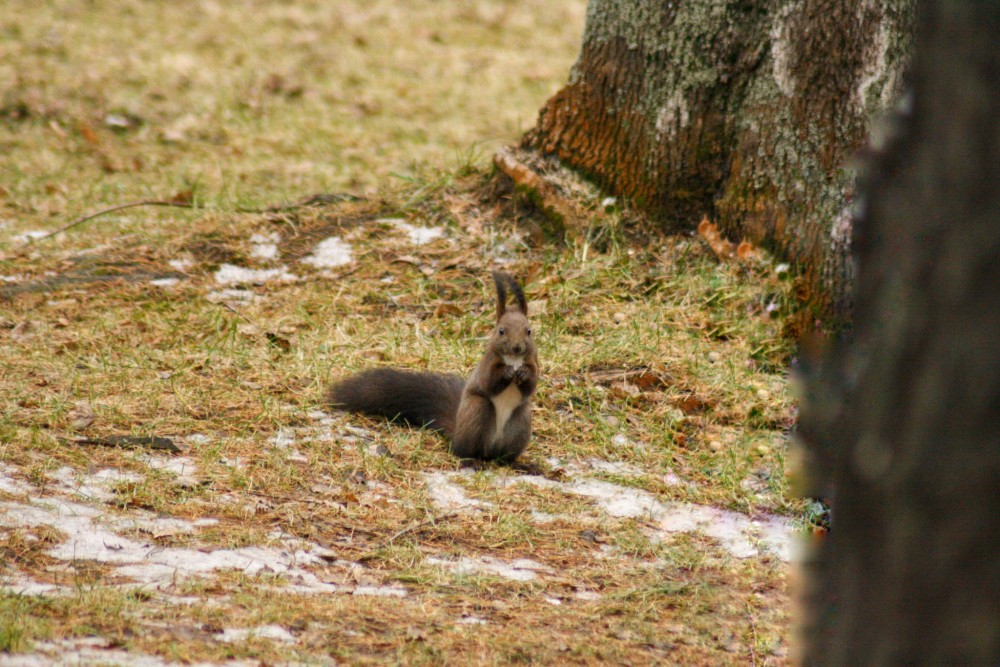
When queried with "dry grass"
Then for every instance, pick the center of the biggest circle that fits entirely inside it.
(654, 355)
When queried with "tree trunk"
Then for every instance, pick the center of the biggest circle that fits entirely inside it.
(903, 421)
(743, 110)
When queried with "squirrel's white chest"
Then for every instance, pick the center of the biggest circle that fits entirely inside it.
(504, 404)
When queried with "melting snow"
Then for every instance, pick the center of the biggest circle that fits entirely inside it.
(89, 539)
(19, 584)
(180, 467)
(232, 296)
(265, 246)
(275, 632)
(445, 494)
(25, 237)
(380, 591)
(182, 264)
(737, 533)
(96, 486)
(614, 468)
(164, 282)
(418, 235)
(92, 651)
(471, 620)
(10, 484)
(521, 569)
(230, 274)
(329, 253)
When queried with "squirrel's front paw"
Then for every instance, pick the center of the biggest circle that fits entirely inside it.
(509, 373)
(522, 374)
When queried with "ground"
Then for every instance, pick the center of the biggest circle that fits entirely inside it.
(659, 526)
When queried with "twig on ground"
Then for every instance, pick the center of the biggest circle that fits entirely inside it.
(321, 199)
(120, 207)
(418, 526)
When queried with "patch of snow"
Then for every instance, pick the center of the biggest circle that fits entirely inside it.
(380, 591)
(614, 468)
(10, 484)
(181, 467)
(89, 539)
(11, 279)
(164, 282)
(182, 264)
(93, 651)
(445, 494)
(230, 274)
(418, 235)
(197, 438)
(235, 463)
(737, 533)
(621, 440)
(232, 296)
(471, 620)
(284, 438)
(93, 486)
(330, 253)
(323, 418)
(587, 596)
(670, 478)
(273, 632)
(521, 569)
(265, 246)
(25, 237)
(19, 584)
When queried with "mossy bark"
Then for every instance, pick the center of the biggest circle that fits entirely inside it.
(903, 420)
(744, 110)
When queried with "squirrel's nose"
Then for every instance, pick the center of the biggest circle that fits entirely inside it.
(519, 348)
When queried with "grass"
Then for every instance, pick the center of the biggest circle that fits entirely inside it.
(653, 353)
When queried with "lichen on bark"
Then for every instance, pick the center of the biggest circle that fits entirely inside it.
(744, 110)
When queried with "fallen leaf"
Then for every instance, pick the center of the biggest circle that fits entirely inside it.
(722, 247)
(447, 309)
(23, 331)
(279, 342)
(81, 416)
(747, 251)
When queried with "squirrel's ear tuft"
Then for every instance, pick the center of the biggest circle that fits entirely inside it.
(499, 279)
(522, 303)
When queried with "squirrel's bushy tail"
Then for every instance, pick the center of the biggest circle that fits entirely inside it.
(421, 399)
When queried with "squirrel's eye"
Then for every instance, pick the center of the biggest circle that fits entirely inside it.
(500, 331)
(529, 332)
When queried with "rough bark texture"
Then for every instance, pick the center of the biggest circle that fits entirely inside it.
(745, 110)
(903, 421)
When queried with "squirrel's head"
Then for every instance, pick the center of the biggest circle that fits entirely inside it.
(512, 334)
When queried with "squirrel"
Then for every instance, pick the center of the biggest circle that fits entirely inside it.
(485, 417)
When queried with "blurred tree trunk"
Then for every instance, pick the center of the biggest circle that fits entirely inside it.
(743, 110)
(903, 420)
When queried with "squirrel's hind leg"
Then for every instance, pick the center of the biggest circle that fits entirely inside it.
(475, 424)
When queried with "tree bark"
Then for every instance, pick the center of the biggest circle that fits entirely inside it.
(903, 420)
(743, 110)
